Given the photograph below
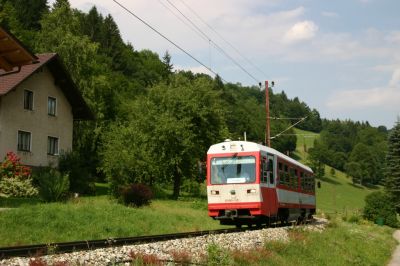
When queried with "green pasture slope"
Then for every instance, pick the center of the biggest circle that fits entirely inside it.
(337, 193)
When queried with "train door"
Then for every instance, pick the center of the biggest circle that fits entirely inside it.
(268, 183)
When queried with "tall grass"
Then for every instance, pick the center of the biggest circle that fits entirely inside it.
(340, 244)
(99, 217)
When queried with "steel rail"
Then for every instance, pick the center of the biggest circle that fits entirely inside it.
(67, 247)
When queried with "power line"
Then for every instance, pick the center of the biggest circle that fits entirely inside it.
(286, 118)
(222, 38)
(194, 25)
(183, 21)
(304, 135)
(298, 122)
(166, 38)
(215, 44)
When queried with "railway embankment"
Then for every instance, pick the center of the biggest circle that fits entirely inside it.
(195, 247)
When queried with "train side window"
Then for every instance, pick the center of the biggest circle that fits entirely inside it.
(286, 175)
(312, 183)
(302, 181)
(280, 173)
(264, 175)
(271, 170)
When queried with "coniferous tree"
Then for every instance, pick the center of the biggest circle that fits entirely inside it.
(30, 14)
(168, 67)
(393, 165)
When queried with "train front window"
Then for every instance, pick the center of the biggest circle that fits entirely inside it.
(233, 170)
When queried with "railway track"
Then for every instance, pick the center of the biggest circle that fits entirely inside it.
(66, 247)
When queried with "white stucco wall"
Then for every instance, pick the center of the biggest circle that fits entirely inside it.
(14, 117)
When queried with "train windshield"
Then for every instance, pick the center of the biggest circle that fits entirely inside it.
(233, 170)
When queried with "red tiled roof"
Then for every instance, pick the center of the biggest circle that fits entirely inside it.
(13, 54)
(80, 109)
(9, 82)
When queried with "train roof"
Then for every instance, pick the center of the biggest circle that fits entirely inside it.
(229, 146)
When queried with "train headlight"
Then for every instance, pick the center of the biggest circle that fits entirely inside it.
(214, 192)
(251, 191)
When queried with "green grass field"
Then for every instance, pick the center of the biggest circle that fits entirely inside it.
(30, 221)
(342, 243)
(337, 192)
(99, 217)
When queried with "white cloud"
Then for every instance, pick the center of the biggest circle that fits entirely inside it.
(301, 31)
(393, 37)
(194, 69)
(395, 81)
(387, 97)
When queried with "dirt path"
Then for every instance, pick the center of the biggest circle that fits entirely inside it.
(395, 261)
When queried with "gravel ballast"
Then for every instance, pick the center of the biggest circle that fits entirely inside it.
(195, 246)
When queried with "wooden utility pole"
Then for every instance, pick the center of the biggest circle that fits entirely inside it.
(267, 129)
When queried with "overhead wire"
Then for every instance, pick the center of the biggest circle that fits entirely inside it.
(166, 38)
(183, 21)
(286, 118)
(222, 38)
(219, 48)
(298, 122)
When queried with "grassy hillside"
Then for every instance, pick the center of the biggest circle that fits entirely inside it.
(337, 192)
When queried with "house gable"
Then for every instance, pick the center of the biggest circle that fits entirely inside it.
(38, 105)
(37, 123)
(61, 77)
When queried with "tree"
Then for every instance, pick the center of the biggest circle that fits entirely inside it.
(365, 158)
(168, 66)
(30, 14)
(162, 135)
(393, 165)
(354, 170)
(380, 205)
(317, 156)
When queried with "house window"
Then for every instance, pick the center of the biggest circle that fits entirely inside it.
(51, 106)
(24, 141)
(52, 146)
(28, 100)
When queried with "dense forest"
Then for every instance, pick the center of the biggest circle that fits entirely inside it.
(154, 124)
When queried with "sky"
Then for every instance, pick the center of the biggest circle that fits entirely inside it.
(341, 57)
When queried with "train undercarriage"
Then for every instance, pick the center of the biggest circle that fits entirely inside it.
(240, 217)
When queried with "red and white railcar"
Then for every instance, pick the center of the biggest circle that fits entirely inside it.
(248, 183)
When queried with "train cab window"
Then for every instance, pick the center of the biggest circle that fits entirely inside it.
(233, 170)
(271, 170)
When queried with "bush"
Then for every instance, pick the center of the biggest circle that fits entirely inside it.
(136, 195)
(380, 205)
(218, 256)
(53, 186)
(14, 187)
(80, 179)
(192, 187)
(15, 179)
